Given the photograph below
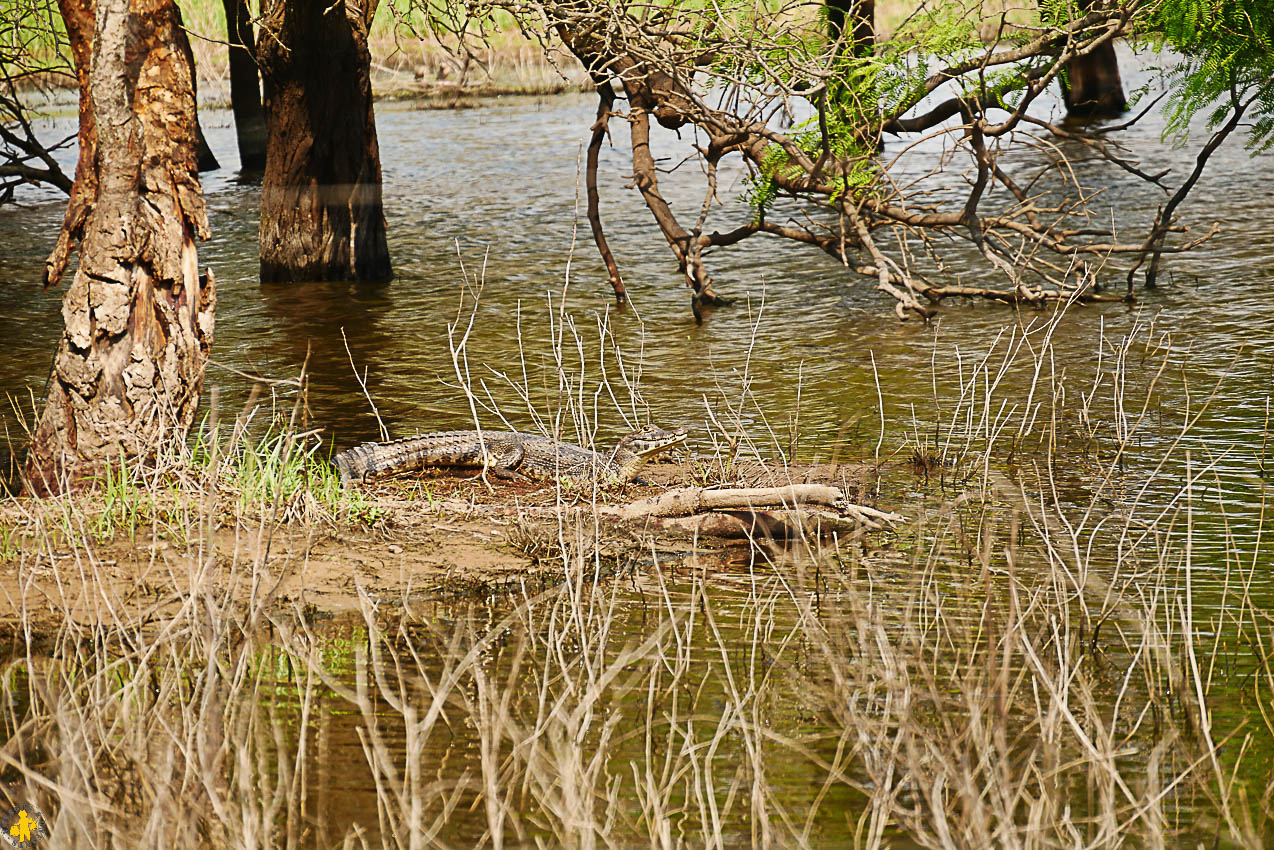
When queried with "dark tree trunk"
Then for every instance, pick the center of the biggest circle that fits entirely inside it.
(321, 216)
(862, 16)
(205, 159)
(1093, 88)
(138, 318)
(859, 16)
(245, 87)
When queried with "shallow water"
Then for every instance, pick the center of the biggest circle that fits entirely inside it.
(464, 204)
(458, 195)
(492, 195)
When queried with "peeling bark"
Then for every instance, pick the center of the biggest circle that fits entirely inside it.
(321, 216)
(138, 317)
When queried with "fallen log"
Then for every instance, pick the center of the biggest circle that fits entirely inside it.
(685, 501)
(778, 524)
(779, 512)
(689, 501)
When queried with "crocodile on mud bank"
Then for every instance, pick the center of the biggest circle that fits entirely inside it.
(509, 454)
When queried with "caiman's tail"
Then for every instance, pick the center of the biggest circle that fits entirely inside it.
(354, 465)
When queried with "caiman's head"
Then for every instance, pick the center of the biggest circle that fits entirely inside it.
(645, 444)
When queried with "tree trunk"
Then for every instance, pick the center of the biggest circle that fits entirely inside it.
(859, 17)
(245, 87)
(321, 216)
(1093, 88)
(205, 159)
(862, 15)
(138, 318)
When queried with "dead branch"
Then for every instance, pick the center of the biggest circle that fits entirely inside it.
(815, 508)
(605, 101)
(800, 110)
(684, 501)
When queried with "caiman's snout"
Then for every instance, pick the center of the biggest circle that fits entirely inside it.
(652, 440)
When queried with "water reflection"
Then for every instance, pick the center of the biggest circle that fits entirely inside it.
(820, 354)
(817, 348)
(791, 702)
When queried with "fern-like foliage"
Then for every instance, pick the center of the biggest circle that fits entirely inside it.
(861, 86)
(1225, 50)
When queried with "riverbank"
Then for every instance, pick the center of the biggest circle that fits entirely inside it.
(410, 62)
(266, 528)
(373, 665)
(407, 63)
(1074, 609)
(404, 66)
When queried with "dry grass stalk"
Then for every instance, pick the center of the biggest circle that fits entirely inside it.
(1019, 671)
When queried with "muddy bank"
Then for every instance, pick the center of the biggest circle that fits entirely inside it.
(426, 535)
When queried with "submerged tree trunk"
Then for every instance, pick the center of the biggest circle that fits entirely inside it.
(1093, 88)
(138, 318)
(861, 16)
(321, 216)
(205, 159)
(245, 87)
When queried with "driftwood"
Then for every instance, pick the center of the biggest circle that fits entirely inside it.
(684, 501)
(815, 510)
(760, 524)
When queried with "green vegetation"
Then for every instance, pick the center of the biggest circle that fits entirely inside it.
(125, 504)
(282, 476)
(1227, 59)
(277, 477)
(33, 37)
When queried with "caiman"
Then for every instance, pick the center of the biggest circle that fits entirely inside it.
(509, 454)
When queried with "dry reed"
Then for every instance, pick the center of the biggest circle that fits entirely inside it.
(1017, 669)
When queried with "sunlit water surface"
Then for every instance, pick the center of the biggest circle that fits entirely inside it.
(491, 196)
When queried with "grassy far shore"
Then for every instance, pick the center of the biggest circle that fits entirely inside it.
(410, 62)
(406, 61)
